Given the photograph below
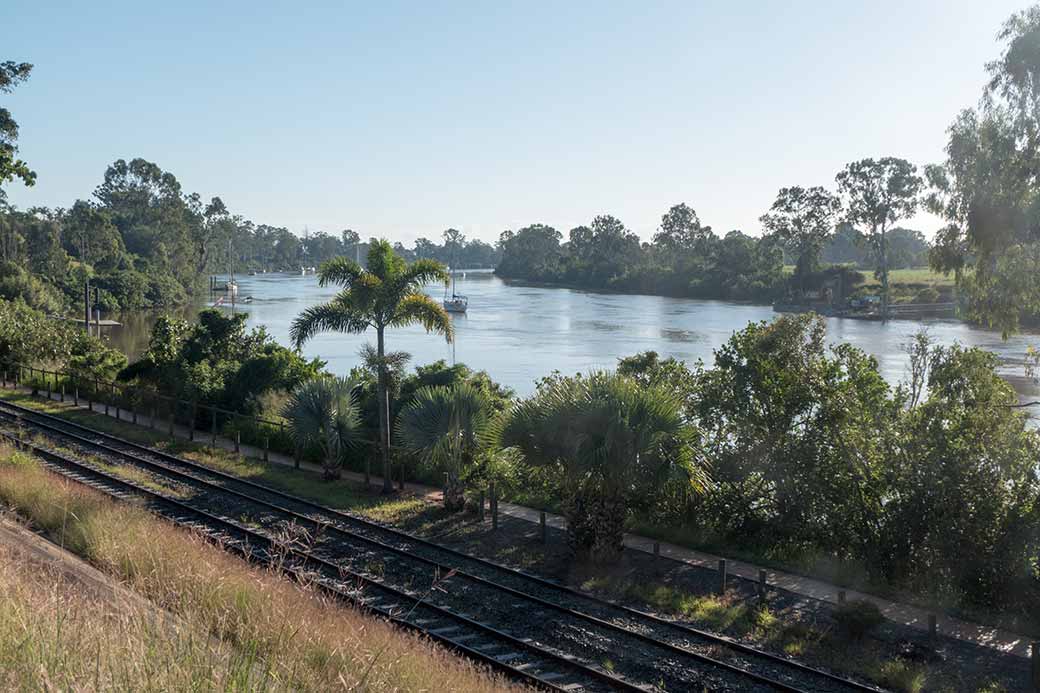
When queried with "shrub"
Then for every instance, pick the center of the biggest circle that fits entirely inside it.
(858, 617)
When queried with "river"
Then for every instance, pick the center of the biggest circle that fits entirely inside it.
(519, 333)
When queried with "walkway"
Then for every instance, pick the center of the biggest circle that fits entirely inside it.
(906, 614)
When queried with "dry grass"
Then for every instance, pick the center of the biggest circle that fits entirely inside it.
(274, 635)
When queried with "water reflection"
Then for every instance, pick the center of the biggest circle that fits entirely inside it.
(520, 333)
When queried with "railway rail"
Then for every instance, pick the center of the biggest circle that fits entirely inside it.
(545, 633)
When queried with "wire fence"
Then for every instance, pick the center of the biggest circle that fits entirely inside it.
(155, 410)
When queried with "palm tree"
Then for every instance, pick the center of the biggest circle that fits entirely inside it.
(386, 294)
(613, 442)
(447, 426)
(324, 412)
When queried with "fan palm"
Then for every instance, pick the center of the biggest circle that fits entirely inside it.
(323, 412)
(447, 426)
(388, 293)
(613, 443)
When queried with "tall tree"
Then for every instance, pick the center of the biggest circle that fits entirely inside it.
(878, 193)
(11, 75)
(388, 293)
(987, 189)
(803, 219)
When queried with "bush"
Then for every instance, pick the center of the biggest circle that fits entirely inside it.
(929, 294)
(858, 617)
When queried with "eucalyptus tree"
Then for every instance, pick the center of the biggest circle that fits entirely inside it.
(803, 219)
(11, 75)
(388, 293)
(877, 193)
(612, 442)
(323, 412)
(988, 188)
(447, 427)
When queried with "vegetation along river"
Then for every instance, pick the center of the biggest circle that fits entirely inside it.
(521, 333)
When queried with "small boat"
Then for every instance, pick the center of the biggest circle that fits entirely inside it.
(456, 304)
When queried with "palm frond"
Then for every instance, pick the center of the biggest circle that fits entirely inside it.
(422, 272)
(443, 425)
(340, 271)
(420, 308)
(336, 315)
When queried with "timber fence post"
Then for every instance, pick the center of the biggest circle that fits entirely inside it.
(213, 427)
(191, 424)
(482, 514)
(267, 447)
(1034, 655)
(238, 440)
(494, 506)
(543, 527)
(722, 576)
(761, 583)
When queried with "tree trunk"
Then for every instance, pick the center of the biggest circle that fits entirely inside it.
(383, 394)
(883, 265)
(454, 496)
(595, 526)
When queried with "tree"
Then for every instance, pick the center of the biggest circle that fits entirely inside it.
(963, 516)
(987, 187)
(612, 442)
(803, 219)
(447, 427)
(323, 412)
(877, 194)
(388, 293)
(11, 75)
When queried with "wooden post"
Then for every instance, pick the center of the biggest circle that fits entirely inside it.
(1034, 655)
(191, 424)
(494, 506)
(933, 625)
(657, 549)
(5, 378)
(75, 394)
(238, 440)
(722, 576)
(482, 515)
(267, 447)
(841, 597)
(297, 454)
(47, 382)
(543, 527)
(761, 583)
(133, 411)
(116, 400)
(62, 391)
(213, 427)
(90, 400)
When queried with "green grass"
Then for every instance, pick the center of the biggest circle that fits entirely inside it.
(910, 275)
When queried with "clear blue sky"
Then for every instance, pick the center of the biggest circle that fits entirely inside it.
(402, 119)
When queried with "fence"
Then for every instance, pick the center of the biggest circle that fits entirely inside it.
(157, 411)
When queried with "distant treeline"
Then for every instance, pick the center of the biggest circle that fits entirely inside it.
(143, 242)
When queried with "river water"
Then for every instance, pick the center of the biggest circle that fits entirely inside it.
(520, 333)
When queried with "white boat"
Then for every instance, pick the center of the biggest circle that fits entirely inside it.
(456, 304)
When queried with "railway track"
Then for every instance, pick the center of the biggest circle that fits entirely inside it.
(554, 636)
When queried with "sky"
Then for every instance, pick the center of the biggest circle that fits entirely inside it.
(402, 119)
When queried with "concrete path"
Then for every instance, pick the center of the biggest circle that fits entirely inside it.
(906, 614)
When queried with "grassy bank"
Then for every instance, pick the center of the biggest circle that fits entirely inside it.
(272, 634)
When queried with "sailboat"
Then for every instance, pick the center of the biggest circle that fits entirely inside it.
(457, 303)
